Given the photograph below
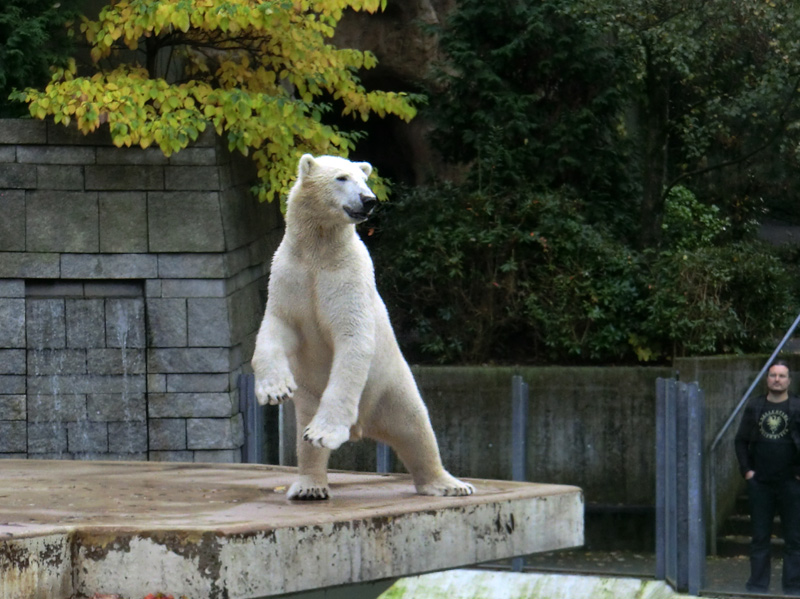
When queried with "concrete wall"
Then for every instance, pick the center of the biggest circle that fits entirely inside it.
(98, 243)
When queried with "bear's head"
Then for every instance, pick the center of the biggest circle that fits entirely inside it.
(334, 188)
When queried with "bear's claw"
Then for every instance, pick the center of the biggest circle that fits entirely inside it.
(321, 433)
(303, 492)
(274, 390)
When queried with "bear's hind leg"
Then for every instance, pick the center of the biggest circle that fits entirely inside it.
(312, 462)
(410, 434)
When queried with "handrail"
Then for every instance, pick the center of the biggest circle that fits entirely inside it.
(712, 471)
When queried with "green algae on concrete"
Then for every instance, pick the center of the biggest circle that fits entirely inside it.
(488, 584)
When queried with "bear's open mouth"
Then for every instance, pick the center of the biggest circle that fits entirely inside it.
(357, 215)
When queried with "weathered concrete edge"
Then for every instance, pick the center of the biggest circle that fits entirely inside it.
(36, 567)
(285, 560)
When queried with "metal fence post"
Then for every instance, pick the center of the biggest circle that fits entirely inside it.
(253, 449)
(519, 442)
(383, 458)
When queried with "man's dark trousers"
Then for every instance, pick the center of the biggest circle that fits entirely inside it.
(767, 499)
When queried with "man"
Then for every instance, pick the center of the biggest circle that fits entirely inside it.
(768, 450)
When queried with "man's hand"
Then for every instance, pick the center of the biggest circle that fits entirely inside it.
(749, 474)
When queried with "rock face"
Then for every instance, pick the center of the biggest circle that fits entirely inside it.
(405, 55)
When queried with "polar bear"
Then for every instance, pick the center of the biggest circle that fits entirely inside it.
(326, 341)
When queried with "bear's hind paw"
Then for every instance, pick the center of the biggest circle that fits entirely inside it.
(305, 492)
(447, 486)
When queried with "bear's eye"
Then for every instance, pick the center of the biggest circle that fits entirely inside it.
(341, 178)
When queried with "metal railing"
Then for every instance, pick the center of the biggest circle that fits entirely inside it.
(712, 470)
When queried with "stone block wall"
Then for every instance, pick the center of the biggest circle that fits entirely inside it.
(131, 289)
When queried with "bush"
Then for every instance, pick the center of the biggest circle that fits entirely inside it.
(33, 37)
(522, 277)
(472, 278)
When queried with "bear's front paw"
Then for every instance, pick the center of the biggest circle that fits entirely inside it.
(447, 486)
(322, 432)
(308, 491)
(274, 388)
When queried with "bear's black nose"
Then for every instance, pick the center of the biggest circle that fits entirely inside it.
(368, 202)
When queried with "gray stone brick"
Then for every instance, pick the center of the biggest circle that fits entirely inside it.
(108, 289)
(127, 437)
(12, 288)
(123, 222)
(125, 324)
(47, 438)
(166, 322)
(124, 178)
(197, 383)
(47, 362)
(186, 178)
(185, 222)
(191, 405)
(85, 323)
(208, 322)
(219, 456)
(12, 361)
(192, 266)
(55, 155)
(22, 131)
(215, 433)
(194, 157)
(116, 361)
(87, 437)
(61, 221)
(56, 408)
(46, 324)
(109, 266)
(171, 456)
(12, 224)
(121, 407)
(193, 288)
(8, 153)
(13, 456)
(132, 156)
(188, 360)
(12, 384)
(152, 288)
(17, 176)
(53, 289)
(58, 134)
(167, 434)
(13, 407)
(60, 176)
(13, 436)
(12, 322)
(74, 384)
(30, 266)
(157, 383)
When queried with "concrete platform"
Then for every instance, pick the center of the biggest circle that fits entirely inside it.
(72, 529)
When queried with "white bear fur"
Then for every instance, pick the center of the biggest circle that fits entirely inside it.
(326, 341)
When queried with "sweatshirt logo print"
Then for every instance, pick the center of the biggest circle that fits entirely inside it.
(774, 424)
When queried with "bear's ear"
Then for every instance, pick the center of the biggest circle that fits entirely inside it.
(366, 167)
(307, 162)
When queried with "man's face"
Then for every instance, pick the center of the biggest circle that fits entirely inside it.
(778, 379)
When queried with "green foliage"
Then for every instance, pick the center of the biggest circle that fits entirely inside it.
(33, 37)
(472, 277)
(688, 224)
(261, 73)
(726, 299)
(530, 96)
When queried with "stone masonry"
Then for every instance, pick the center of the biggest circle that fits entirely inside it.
(131, 289)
